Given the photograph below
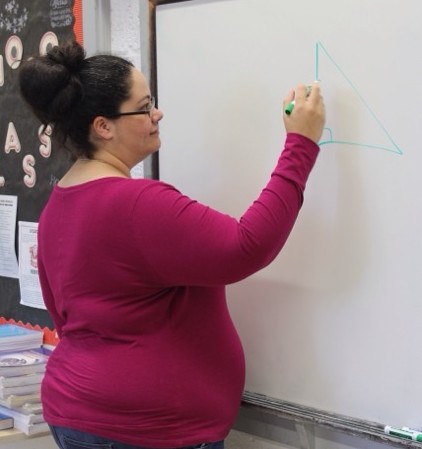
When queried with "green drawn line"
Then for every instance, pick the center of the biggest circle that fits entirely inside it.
(396, 149)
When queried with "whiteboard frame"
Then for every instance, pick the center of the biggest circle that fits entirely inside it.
(149, 62)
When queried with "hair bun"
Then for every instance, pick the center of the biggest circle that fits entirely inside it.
(70, 55)
(51, 84)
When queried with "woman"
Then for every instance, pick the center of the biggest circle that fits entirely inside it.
(133, 272)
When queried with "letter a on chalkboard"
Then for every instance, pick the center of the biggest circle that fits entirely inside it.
(12, 140)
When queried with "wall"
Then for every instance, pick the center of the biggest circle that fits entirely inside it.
(126, 30)
(128, 23)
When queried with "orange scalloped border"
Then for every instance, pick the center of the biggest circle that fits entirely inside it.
(50, 336)
(78, 24)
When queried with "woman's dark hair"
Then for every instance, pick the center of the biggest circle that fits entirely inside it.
(67, 90)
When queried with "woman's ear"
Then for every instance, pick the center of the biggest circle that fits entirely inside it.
(102, 127)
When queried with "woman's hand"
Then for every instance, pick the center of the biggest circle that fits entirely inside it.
(308, 115)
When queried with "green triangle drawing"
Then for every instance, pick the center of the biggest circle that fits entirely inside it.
(356, 102)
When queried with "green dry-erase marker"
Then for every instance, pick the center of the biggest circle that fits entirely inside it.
(400, 433)
(289, 107)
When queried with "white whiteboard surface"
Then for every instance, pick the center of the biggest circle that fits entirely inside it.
(335, 321)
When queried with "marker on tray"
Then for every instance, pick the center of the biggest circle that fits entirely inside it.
(401, 433)
(410, 430)
(289, 108)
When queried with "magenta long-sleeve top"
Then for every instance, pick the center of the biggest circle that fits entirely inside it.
(133, 274)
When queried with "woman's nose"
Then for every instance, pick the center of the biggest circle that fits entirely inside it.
(156, 114)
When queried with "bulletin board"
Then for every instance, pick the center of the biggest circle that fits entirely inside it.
(30, 165)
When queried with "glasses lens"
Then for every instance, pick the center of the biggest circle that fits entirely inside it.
(151, 105)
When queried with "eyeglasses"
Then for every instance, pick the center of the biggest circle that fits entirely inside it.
(147, 110)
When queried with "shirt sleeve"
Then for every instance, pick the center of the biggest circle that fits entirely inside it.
(187, 243)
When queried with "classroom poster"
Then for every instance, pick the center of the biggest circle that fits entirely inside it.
(29, 282)
(8, 260)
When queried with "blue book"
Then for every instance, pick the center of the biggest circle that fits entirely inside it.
(13, 330)
(6, 421)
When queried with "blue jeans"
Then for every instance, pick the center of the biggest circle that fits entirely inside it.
(74, 439)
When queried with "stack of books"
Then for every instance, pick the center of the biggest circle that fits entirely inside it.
(18, 338)
(22, 366)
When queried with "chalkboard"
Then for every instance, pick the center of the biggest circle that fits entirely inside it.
(334, 322)
(30, 165)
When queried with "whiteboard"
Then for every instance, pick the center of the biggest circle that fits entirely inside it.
(334, 322)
